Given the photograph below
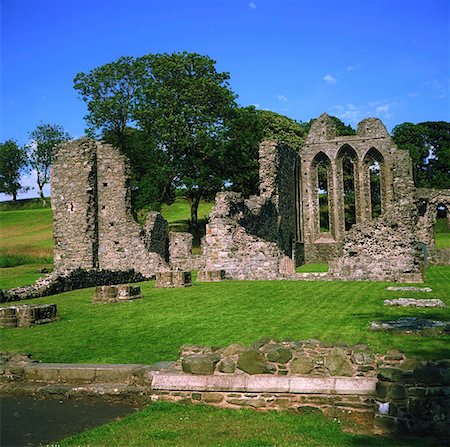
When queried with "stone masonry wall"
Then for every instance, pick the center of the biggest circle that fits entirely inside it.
(253, 238)
(181, 257)
(386, 248)
(386, 394)
(94, 226)
(74, 204)
(323, 144)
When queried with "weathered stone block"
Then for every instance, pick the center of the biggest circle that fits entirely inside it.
(210, 275)
(227, 366)
(116, 293)
(253, 362)
(338, 363)
(279, 355)
(390, 374)
(199, 364)
(213, 397)
(173, 279)
(302, 365)
(398, 392)
(428, 375)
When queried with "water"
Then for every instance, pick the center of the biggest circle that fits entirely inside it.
(26, 421)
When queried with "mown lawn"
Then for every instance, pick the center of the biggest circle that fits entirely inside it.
(166, 424)
(153, 329)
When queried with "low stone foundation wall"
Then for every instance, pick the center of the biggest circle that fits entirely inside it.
(114, 294)
(27, 315)
(64, 281)
(173, 279)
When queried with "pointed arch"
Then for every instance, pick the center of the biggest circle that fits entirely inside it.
(347, 165)
(321, 165)
(374, 167)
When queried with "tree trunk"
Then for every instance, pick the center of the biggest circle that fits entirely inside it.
(194, 201)
(41, 189)
(14, 194)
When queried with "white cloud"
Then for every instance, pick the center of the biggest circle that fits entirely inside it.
(350, 68)
(252, 5)
(355, 113)
(282, 98)
(329, 79)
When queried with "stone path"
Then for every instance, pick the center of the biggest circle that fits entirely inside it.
(409, 289)
(411, 325)
(412, 302)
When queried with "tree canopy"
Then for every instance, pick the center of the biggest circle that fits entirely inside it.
(180, 103)
(13, 161)
(428, 144)
(44, 139)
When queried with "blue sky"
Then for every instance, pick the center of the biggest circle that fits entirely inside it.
(351, 58)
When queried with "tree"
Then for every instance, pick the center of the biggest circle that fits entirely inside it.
(438, 142)
(44, 139)
(109, 92)
(13, 161)
(282, 128)
(428, 144)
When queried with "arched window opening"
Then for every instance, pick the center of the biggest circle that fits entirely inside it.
(348, 183)
(322, 188)
(374, 163)
(442, 226)
(375, 188)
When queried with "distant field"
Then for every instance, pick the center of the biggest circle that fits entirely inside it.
(26, 233)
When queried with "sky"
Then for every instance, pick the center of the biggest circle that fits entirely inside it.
(351, 58)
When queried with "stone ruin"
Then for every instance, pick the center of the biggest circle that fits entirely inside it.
(349, 201)
(27, 315)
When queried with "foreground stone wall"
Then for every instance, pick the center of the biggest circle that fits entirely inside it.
(387, 394)
(94, 226)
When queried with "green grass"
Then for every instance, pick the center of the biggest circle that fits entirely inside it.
(26, 236)
(223, 313)
(167, 424)
(442, 229)
(312, 268)
(21, 275)
(24, 204)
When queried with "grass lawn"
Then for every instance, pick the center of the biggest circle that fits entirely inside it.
(166, 424)
(26, 237)
(223, 313)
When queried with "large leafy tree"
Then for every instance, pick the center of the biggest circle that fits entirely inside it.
(13, 161)
(109, 92)
(44, 139)
(186, 105)
(182, 105)
(428, 144)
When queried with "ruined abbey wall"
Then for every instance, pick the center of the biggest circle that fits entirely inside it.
(253, 238)
(93, 222)
(372, 142)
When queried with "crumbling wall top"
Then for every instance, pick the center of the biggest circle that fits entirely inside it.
(322, 129)
(372, 128)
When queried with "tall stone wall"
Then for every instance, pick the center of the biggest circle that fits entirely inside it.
(93, 222)
(253, 238)
(74, 204)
